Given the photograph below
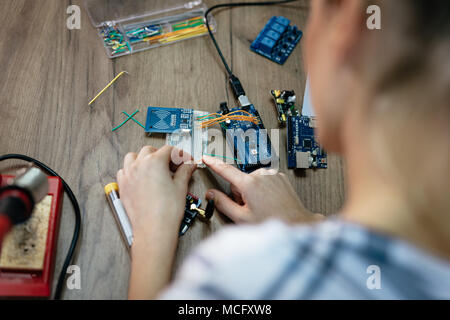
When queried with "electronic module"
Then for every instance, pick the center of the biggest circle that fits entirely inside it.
(303, 150)
(193, 210)
(277, 40)
(168, 120)
(248, 139)
(182, 129)
(285, 104)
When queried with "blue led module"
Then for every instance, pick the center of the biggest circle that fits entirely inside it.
(277, 40)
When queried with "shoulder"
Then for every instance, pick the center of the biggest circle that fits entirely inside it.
(272, 239)
(248, 242)
(246, 262)
(328, 260)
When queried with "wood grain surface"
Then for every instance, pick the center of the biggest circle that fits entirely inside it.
(49, 74)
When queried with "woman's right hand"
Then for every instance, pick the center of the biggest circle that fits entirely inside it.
(258, 196)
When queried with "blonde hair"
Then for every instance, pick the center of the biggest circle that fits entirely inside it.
(408, 73)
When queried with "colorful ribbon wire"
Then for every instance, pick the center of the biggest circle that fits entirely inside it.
(216, 118)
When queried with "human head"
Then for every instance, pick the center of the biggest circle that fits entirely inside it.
(385, 91)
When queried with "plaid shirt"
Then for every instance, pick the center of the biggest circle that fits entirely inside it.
(330, 260)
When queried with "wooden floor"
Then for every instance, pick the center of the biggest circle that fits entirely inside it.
(48, 75)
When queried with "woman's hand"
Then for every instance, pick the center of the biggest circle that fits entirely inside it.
(257, 196)
(153, 187)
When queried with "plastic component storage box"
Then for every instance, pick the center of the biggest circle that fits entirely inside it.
(129, 26)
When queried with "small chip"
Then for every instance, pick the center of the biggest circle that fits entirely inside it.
(307, 144)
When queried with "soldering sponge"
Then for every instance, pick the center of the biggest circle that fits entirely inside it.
(24, 247)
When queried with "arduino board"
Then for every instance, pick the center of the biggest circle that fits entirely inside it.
(303, 150)
(277, 40)
(249, 141)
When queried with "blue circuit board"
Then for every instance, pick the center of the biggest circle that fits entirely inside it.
(168, 120)
(251, 149)
(277, 40)
(303, 150)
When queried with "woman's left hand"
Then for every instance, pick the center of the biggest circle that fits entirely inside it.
(153, 187)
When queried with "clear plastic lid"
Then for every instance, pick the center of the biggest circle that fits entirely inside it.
(107, 12)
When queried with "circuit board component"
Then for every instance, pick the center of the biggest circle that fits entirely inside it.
(303, 150)
(189, 214)
(285, 104)
(249, 141)
(183, 130)
(277, 40)
(193, 210)
(168, 120)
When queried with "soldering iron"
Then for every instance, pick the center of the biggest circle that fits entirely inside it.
(18, 199)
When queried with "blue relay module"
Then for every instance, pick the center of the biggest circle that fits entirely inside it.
(250, 143)
(303, 150)
(277, 40)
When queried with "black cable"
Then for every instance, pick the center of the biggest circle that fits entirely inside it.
(229, 5)
(76, 207)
